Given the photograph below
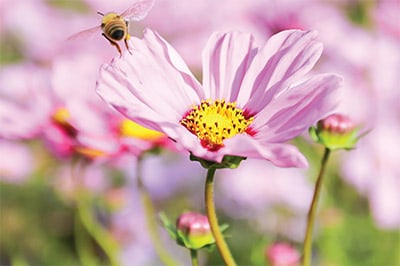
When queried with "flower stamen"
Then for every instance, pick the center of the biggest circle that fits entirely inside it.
(61, 118)
(214, 121)
(128, 128)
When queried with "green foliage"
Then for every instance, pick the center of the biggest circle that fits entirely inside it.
(35, 226)
(38, 228)
(348, 235)
(359, 12)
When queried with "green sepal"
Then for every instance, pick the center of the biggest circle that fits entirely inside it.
(195, 243)
(336, 141)
(229, 161)
(313, 134)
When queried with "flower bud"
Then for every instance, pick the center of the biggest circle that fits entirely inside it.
(194, 230)
(336, 131)
(336, 123)
(282, 254)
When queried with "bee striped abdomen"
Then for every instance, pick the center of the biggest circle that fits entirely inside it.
(115, 30)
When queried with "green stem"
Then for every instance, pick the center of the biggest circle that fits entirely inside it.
(212, 218)
(102, 237)
(151, 220)
(312, 211)
(83, 245)
(194, 258)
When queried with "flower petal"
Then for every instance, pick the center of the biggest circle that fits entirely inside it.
(296, 109)
(285, 57)
(280, 154)
(283, 155)
(152, 83)
(226, 59)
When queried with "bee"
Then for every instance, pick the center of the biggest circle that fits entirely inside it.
(115, 27)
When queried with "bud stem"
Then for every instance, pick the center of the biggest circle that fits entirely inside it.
(212, 218)
(194, 258)
(312, 211)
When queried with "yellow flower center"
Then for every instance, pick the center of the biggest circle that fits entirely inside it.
(90, 152)
(61, 117)
(128, 128)
(214, 121)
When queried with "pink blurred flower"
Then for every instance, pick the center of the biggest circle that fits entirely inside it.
(282, 254)
(270, 17)
(16, 162)
(386, 15)
(373, 170)
(60, 107)
(42, 31)
(23, 89)
(99, 127)
(189, 37)
(253, 99)
(372, 79)
(261, 17)
(275, 199)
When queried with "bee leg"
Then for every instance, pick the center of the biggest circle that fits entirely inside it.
(126, 42)
(113, 43)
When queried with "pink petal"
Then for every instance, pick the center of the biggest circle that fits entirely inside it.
(283, 155)
(25, 100)
(152, 83)
(16, 161)
(285, 57)
(296, 109)
(17, 122)
(280, 154)
(226, 58)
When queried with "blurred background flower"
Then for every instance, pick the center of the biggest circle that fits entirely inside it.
(64, 152)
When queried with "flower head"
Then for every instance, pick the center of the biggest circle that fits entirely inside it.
(252, 99)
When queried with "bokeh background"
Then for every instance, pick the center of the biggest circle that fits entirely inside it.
(69, 164)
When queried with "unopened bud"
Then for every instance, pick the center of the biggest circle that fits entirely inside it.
(336, 124)
(336, 131)
(194, 230)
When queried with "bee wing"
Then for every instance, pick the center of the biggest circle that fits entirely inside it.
(138, 10)
(85, 34)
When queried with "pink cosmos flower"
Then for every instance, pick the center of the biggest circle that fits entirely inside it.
(252, 100)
